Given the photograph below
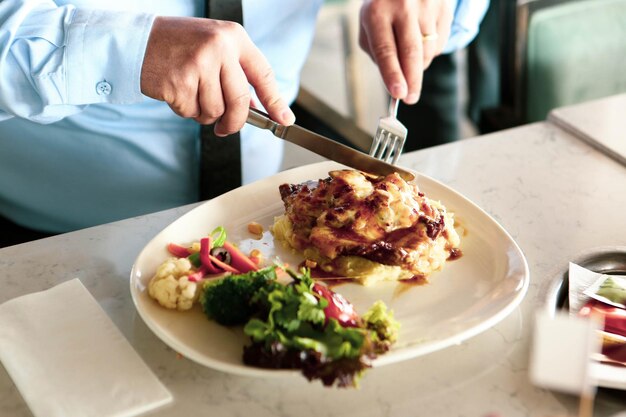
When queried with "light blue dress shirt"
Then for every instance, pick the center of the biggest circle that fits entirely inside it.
(467, 17)
(80, 145)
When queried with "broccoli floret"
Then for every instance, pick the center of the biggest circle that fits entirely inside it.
(229, 302)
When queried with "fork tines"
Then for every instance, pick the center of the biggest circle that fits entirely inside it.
(390, 136)
(385, 146)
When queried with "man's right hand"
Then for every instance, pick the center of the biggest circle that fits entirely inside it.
(203, 68)
(392, 33)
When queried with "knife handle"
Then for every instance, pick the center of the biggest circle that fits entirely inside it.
(259, 119)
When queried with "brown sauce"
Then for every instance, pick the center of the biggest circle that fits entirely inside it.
(405, 284)
(334, 282)
(415, 280)
(455, 253)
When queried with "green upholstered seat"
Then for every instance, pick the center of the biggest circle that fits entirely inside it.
(576, 51)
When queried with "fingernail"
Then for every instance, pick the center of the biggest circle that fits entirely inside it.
(411, 98)
(288, 117)
(397, 90)
(218, 132)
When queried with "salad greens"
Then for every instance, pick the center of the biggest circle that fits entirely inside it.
(219, 236)
(299, 325)
(296, 320)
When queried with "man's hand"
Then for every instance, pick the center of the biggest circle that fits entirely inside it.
(203, 68)
(403, 37)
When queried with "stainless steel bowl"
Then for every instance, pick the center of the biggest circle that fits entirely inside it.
(606, 260)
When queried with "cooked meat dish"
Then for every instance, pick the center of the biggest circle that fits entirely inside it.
(367, 227)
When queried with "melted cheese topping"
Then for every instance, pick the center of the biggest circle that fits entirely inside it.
(382, 219)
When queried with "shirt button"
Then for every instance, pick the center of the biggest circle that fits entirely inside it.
(103, 88)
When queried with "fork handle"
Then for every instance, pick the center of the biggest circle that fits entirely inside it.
(394, 103)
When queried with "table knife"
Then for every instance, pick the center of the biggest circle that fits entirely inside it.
(326, 147)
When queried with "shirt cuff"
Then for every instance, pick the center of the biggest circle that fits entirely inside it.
(468, 14)
(104, 55)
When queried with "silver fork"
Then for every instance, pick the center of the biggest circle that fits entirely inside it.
(390, 136)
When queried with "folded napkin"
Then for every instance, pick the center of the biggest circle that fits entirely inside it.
(68, 359)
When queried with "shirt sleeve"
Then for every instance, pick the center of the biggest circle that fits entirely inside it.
(467, 17)
(54, 60)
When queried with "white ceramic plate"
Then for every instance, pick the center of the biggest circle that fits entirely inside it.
(468, 296)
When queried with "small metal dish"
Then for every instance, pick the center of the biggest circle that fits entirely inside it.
(605, 260)
(609, 260)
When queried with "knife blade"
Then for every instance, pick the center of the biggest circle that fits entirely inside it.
(326, 147)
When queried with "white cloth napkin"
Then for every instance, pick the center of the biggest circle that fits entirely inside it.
(68, 359)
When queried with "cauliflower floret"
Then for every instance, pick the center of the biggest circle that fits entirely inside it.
(171, 287)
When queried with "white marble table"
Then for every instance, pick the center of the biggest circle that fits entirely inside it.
(555, 194)
(601, 123)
